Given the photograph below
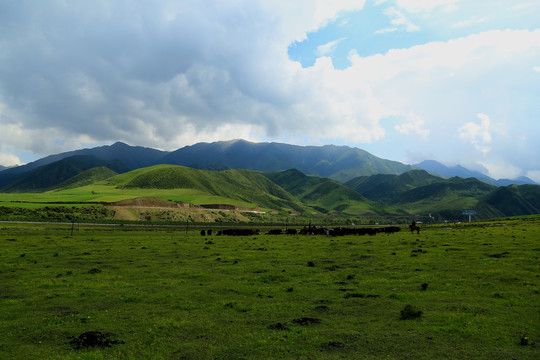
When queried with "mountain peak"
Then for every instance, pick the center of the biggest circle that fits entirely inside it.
(119, 144)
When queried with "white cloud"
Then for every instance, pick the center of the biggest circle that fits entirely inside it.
(534, 175)
(469, 22)
(385, 30)
(415, 6)
(328, 48)
(414, 125)
(399, 19)
(8, 158)
(536, 68)
(502, 170)
(477, 134)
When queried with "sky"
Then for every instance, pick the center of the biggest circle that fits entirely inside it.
(457, 81)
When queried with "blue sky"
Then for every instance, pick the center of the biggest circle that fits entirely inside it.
(385, 25)
(456, 81)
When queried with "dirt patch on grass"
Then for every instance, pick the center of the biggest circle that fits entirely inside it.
(147, 202)
(124, 213)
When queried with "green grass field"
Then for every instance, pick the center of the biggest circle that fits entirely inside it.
(108, 193)
(162, 293)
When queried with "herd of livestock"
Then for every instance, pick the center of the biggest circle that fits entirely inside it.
(307, 230)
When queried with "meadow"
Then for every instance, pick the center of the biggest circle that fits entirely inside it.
(454, 291)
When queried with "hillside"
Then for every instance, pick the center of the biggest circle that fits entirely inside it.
(513, 200)
(385, 187)
(87, 177)
(340, 163)
(326, 195)
(421, 193)
(52, 175)
(243, 185)
(446, 198)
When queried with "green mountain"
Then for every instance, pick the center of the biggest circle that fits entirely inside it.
(385, 187)
(87, 177)
(244, 185)
(446, 198)
(325, 194)
(340, 163)
(421, 193)
(513, 200)
(50, 176)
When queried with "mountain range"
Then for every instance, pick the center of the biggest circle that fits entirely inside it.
(325, 180)
(341, 163)
(458, 170)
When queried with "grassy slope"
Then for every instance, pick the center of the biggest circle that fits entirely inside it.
(176, 183)
(447, 197)
(51, 175)
(514, 200)
(385, 187)
(326, 193)
(241, 185)
(87, 177)
(167, 295)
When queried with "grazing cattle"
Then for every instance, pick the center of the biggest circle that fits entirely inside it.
(203, 233)
(291, 232)
(238, 232)
(274, 232)
(209, 232)
(414, 227)
(391, 229)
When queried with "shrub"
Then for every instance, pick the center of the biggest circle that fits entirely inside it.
(409, 312)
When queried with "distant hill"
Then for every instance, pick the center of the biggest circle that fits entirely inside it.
(87, 177)
(385, 187)
(133, 157)
(445, 199)
(522, 180)
(51, 175)
(514, 200)
(325, 194)
(453, 187)
(244, 185)
(340, 163)
(458, 170)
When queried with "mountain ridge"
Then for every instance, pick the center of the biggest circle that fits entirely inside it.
(341, 163)
(436, 167)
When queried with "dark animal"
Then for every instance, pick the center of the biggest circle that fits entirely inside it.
(203, 233)
(414, 227)
(239, 232)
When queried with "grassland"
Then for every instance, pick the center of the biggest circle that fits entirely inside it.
(168, 293)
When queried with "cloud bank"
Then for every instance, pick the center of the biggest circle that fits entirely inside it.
(168, 74)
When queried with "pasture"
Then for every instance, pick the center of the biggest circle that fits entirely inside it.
(126, 292)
